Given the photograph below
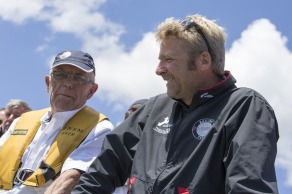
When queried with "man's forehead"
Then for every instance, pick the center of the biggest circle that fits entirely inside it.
(171, 49)
(14, 107)
(67, 67)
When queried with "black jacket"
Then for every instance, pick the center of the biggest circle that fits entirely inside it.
(224, 142)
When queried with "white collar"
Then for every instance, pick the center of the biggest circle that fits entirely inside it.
(66, 115)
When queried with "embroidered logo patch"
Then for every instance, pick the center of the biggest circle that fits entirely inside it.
(71, 131)
(207, 95)
(201, 128)
(19, 132)
(163, 127)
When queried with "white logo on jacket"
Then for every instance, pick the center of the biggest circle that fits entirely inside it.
(163, 127)
(207, 95)
(201, 128)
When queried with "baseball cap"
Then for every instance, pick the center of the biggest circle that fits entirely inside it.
(78, 59)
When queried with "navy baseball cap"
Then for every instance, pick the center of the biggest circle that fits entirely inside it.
(78, 59)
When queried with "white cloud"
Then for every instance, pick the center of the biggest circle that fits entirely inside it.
(79, 17)
(19, 11)
(126, 77)
(261, 60)
(67, 11)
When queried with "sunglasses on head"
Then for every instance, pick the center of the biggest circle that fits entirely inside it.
(189, 23)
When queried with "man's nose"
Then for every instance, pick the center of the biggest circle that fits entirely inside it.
(160, 69)
(69, 81)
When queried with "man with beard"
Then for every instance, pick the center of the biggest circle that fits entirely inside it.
(204, 136)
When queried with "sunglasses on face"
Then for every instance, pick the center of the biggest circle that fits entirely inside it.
(77, 79)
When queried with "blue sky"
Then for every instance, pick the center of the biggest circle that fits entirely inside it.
(119, 34)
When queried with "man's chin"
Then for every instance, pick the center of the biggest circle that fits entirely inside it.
(64, 105)
(171, 94)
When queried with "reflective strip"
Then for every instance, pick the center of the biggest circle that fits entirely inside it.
(183, 190)
(131, 181)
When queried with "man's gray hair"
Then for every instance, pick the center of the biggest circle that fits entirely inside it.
(15, 103)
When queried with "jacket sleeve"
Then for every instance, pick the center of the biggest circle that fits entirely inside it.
(250, 158)
(112, 167)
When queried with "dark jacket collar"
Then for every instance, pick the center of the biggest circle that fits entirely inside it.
(206, 94)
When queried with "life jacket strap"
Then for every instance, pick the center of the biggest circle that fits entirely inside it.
(21, 175)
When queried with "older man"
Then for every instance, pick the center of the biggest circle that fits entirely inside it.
(14, 109)
(205, 136)
(52, 147)
(2, 118)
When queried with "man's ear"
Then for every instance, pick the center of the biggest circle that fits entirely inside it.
(92, 90)
(205, 60)
(47, 80)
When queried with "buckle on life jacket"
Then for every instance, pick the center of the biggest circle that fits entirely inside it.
(22, 175)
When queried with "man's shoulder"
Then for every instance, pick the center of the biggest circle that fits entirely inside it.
(161, 97)
(160, 102)
(40, 111)
(245, 93)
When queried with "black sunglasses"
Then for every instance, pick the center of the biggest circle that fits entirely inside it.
(189, 23)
